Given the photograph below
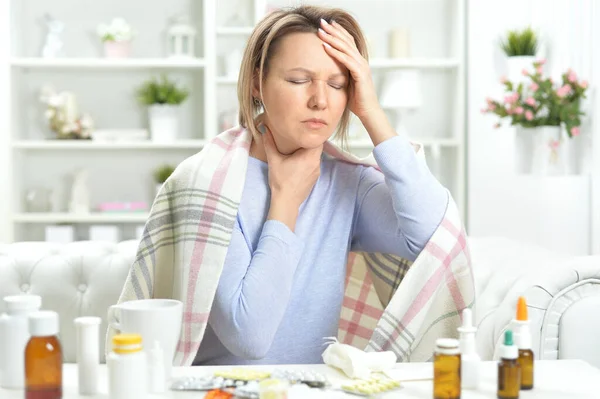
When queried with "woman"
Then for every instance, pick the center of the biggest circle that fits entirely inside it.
(302, 212)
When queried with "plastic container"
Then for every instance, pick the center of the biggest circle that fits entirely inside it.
(127, 368)
(470, 360)
(88, 353)
(156, 369)
(43, 357)
(14, 335)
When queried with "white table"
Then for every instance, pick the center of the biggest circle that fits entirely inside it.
(560, 379)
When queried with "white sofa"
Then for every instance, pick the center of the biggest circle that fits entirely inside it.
(563, 293)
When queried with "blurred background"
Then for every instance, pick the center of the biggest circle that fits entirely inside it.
(100, 100)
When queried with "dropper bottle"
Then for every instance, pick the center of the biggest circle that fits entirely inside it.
(523, 340)
(509, 371)
(470, 360)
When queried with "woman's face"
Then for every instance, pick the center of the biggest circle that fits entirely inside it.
(304, 93)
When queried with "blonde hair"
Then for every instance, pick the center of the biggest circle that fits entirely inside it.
(262, 46)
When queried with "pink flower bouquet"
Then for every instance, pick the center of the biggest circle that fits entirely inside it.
(541, 102)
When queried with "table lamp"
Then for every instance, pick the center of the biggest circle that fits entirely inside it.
(401, 92)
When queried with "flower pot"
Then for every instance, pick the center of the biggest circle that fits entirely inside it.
(515, 66)
(164, 122)
(542, 151)
(114, 49)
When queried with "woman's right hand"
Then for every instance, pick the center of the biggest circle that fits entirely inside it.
(291, 178)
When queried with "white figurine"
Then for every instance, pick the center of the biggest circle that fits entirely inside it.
(80, 194)
(53, 44)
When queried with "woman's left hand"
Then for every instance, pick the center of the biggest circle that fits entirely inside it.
(341, 46)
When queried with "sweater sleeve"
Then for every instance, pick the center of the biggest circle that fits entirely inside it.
(399, 208)
(254, 289)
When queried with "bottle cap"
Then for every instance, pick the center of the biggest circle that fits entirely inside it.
(508, 349)
(43, 323)
(127, 343)
(522, 309)
(447, 346)
(22, 303)
(87, 321)
(157, 353)
(467, 323)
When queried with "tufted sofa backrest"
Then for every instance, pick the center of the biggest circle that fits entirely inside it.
(78, 279)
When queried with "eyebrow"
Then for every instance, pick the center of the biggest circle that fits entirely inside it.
(300, 69)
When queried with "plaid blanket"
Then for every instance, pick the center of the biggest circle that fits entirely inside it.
(389, 303)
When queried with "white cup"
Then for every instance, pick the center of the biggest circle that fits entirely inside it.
(155, 320)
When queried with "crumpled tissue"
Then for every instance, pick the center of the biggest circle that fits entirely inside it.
(356, 363)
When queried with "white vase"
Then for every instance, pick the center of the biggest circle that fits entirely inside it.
(164, 122)
(541, 151)
(515, 66)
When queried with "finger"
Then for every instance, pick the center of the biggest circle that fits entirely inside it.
(340, 45)
(336, 29)
(345, 33)
(350, 63)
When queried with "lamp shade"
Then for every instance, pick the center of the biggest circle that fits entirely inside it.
(401, 89)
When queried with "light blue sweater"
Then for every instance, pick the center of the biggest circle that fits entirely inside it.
(281, 292)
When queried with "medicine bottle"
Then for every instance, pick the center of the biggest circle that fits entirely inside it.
(523, 340)
(43, 357)
(509, 370)
(127, 368)
(14, 335)
(446, 369)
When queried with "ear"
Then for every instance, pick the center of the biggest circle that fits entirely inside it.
(255, 84)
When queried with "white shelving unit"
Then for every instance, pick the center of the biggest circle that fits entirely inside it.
(55, 217)
(94, 146)
(29, 161)
(102, 63)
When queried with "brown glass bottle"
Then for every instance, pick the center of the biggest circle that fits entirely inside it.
(509, 370)
(446, 370)
(43, 358)
(526, 362)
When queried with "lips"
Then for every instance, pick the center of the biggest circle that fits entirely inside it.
(315, 121)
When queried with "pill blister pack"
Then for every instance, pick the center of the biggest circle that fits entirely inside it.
(372, 386)
(312, 379)
(244, 383)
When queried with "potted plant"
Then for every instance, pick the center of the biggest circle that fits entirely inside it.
(163, 98)
(161, 174)
(520, 46)
(116, 37)
(544, 113)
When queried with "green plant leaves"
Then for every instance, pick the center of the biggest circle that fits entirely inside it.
(163, 91)
(520, 43)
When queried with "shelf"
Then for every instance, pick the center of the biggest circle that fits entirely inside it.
(107, 63)
(41, 218)
(418, 63)
(99, 145)
(235, 30)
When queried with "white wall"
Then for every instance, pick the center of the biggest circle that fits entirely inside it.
(555, 212)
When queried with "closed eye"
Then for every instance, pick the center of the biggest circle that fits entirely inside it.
(337, 87)
(297, 82)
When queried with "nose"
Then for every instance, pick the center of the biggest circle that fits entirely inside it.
(318, 95)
